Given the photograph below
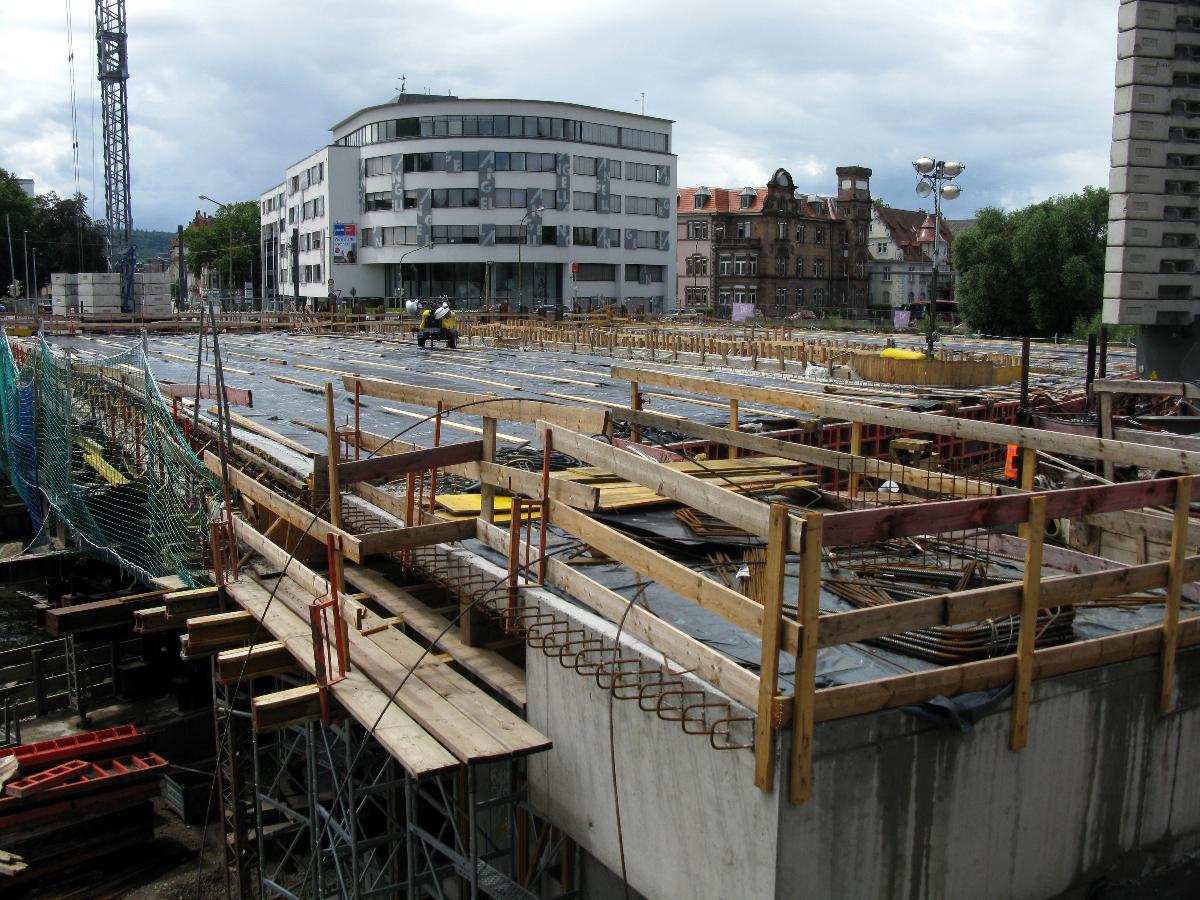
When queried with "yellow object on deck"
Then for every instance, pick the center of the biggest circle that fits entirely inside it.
(899, 353)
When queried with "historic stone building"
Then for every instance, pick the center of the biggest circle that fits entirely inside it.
(775, 247)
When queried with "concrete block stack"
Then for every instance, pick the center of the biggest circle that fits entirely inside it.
(152, 293)
(1154, 212)
(99, 293)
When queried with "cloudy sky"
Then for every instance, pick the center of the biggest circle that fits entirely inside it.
(223, 95)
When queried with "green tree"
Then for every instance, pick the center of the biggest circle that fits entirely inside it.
(232, 233)
(1036, 270)
(64, 236)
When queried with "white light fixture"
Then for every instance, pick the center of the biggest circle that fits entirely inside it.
(924, 165)
(950, 191)
(924, 187)
(953, 169)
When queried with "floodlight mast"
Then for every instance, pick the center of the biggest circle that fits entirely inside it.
(937, 178)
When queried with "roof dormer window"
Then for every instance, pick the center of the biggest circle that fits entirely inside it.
(747, 197)
(701, 197)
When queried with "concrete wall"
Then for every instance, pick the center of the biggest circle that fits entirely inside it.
(902, 808)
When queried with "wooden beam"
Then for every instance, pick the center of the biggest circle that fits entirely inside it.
(748, 514)
(768, 669)
(862, 526)
(926, 423)
(1023, 689)
(1158, 438)
(901, 690)
(293, 513)
(700, 659)
(589, 421)
(923, 479)
(487, 491)
(803, 716)
(486, 665)
(394, 539)
(256, 661)
(292, 706)
(1146, 388)
(415, 749)
(675, 577)
(263, 431)
(529, 484)
(393, 465)
(236, 396)
(1179, 546)
(979, 604)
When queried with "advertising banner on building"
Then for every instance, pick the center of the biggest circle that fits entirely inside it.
(425, 217)
(901, 318)
(487, 179)
(345, 242)
(743, 312)
(603, 194)
(562, 181)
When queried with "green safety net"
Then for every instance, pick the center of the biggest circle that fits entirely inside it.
(90, 440)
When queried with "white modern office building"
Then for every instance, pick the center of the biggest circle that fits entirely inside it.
(524, 203)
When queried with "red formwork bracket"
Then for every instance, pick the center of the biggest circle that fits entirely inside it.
(331, 650)
(105, 741)
(85, 777)
(48, 778)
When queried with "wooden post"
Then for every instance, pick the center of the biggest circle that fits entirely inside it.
(1104, 428)
(768, 671)
(856, 429)
(487, 492)
(800, 787)
(733, 426)
(1170, 640)
(635, 402)
(1030, 594)
(1022, 414)
(334, 454)
(1102, 364)
(1029, 462)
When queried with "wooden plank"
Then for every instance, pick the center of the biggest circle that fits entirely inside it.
(803, 716)
(280, 560)
(901, 690)
(529, 484)
(768, 669)
(927, 423)
(589, 421)
(458, 426)
(293, 513)
(237, 396)
(676, 577)
(750, 515)
(1158, 438)
(263, 431)
(487, 491)
(490, 667)
(700, 659)
(1146, 388)
(394, 539)
(396, 464)
(255, 661)
(1179, 545)
(924, 479)
(416, 750)
(1023, 688)
(978, 604)
(292, 706)
(464, 720)
(863, 526)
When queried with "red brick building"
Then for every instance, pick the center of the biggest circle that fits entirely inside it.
(775, 247)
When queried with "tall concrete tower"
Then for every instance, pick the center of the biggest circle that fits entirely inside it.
(1154, 217)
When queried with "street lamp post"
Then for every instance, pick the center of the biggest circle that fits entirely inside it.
(225, 206)
(400, 267)
(26, 233)
(937, 178)
(35, 288)
(520, 265)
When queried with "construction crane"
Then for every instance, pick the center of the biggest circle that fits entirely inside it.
(112, 56)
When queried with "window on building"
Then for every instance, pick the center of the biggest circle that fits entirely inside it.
(860, 269)
(818, 268)
(818, 296)
(780, 298)
(800, 232)
(752, 294)
(746, 199)
(697, 230)
(698, 200)
(719, 230)
(753, 263)
(881, 248)
(743, 228)
(800, 267)
(725, 296)
(780, 266)
(740, 265)
(819, 236)
(725, 264)
(887, 273)
(584, 201)
(799, 296)
(782, 231)
(596, 272)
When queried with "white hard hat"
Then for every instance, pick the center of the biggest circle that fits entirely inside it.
(411, 307)
(441, 311)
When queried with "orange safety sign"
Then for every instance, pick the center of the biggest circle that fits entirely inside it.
(1010, 462)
